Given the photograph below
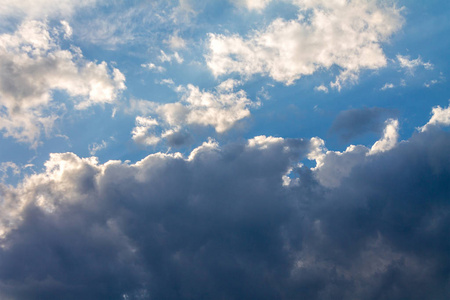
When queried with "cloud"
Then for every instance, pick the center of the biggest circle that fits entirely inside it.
(225, 222)
(175, 41)
(347, 34)
(321, 88)
(221, 109)
(170, 57)
(440, 117)
(6, 168)
(33, 65)
(152, 66)
(355, 122)
(411, 64)
(257, 5)
(141, 134)
(39, 9)
(95, 147)
(333, 166)
(387, 86)
(389, 139)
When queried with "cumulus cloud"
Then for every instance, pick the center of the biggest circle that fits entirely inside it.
(440, 117)
(225, 222)
(141, 134)
(33, 65)
(333, 166)
(347, 34)
(389, 139)
(221, 109)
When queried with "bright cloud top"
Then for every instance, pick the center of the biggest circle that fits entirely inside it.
(347, 34)
(33, 65)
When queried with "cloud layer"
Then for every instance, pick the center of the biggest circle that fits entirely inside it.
(224, 223)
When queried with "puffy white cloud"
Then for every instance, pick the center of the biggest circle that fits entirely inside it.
(347, 34)
(440, 117)
(32, 65)
(227, 220)
(389, 139)
(221, 108)
(141, 134)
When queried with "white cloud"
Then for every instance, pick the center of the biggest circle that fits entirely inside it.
(141, 134)
(321, 88)
(430, 83)
(38, 9)
(411, 64)
(95, 147)
(217, 108)
(389, 139)
(167, 81)
(170, 57)
(221, 108)
(32, 66)
(257, 5)
(67, 29)
(387, 86)
(152, 66)
(8, 166)
(440, 117)
(175, 41)
(347, 34)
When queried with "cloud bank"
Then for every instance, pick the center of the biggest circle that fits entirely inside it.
(224, 223)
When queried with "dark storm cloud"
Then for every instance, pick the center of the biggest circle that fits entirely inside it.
(221, 225)
(355, 122)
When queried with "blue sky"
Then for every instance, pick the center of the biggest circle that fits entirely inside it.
(124, 117)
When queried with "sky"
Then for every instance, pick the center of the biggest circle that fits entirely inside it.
(224, 149)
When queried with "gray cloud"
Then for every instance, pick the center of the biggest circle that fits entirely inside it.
(222, 225)
(356, 122)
